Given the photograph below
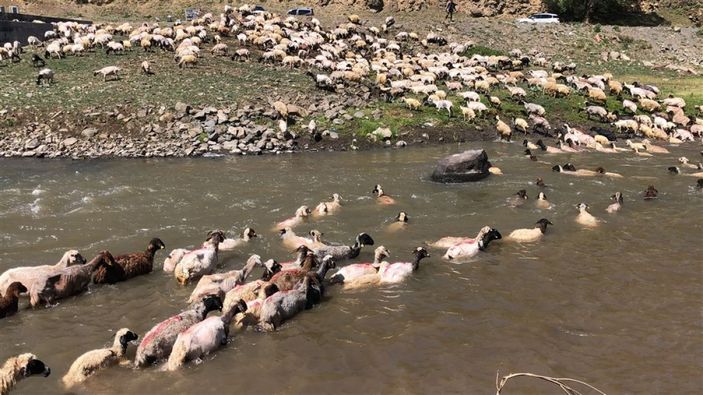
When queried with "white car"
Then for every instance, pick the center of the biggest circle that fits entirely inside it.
(540, 18)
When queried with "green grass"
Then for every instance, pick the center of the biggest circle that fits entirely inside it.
(215, 80)
(221, 82)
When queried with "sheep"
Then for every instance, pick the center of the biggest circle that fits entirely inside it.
(630, 106)
(602, 140)
(648, 105)
(37, 61)
(477, 107)
(444, 104)
(412, 104)
(33, 41)
(158, 341)
(31, 276)
(53, 50)
(615, 87)
(281, 109)
(203, 337)
(521, 125)
(146, 68)
(219, 49)
(503, 129)
(232, 243)
(9, 302)
(467, 113)
(340, 252)
(287, 279)
(626, 125)
(584, 217)
(354, 19)
(187, 60)
(516, 92)
(45, 76)
(108, 72)
(18, 368)
(69, 281)
(494, 101)
(532, 108)
(241, 55)
(597, 94)
(92, 361)
(282, 306)
(470, 96)
(530, 235)
(221, 283)
(114, 48)
(130, 265)
(596, 112)
(322, 81)
(199, 262)
(242, 38)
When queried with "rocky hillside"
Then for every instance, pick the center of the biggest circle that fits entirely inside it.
(678, 12)
(91, 8)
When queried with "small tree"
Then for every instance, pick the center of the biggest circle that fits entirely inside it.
(590, 10)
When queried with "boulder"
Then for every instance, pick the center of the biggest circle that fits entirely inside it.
(467, 166)
(376, 5)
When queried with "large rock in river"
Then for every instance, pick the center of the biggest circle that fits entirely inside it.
(467, 166)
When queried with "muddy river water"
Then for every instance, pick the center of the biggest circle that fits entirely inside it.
(618, 306)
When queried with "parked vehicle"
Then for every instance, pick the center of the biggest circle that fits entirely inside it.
(540, 18)
(301, 11)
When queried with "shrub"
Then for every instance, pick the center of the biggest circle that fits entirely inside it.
(483, 51)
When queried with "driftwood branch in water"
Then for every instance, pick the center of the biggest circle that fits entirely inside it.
(559, 381)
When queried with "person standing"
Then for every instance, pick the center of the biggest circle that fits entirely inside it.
(451, 9)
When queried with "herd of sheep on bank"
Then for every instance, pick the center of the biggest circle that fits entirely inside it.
(398, 66)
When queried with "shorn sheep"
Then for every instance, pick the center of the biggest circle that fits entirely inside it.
(18, 368)
(29, 275)
(92, 361)
(158, 342)
(203, 337)
(109, 71)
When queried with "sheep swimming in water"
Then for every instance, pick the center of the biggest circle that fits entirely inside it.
(18, 368)
(158, 342)
(92, 361)
(203, 338)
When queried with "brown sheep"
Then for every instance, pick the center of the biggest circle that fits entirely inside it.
(131, 265)
(10, 301)
(70, 281)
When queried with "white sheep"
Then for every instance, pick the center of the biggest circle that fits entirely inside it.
(108, 72)
(536, 109)
(31, 275)
(203, 338)
(199, 262)
(18, 368)
(92, 361)
(221, 283)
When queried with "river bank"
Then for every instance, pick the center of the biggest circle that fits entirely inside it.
(190, 132)
(222, 106)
